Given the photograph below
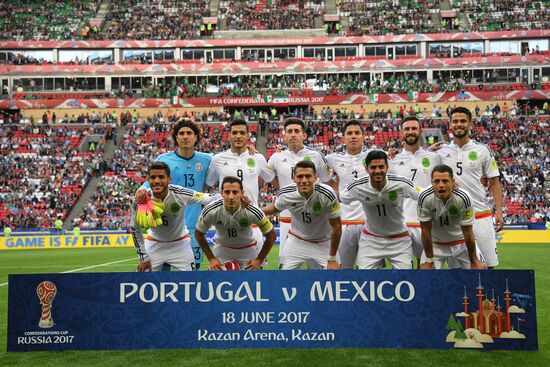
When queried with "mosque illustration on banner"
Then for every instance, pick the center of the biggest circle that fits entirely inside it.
(489, 321)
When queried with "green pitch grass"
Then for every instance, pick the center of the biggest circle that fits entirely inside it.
(103, 260)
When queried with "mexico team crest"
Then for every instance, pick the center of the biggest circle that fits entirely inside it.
(250, 162)
(244, 222)
(472, 156)
(174, 207)
(425, 162)
(317, 207)
(392, 195)
(453, 210)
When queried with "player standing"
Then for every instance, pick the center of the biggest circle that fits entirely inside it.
(385, 234)
(316, 228)
(251, 169)
(188, 168)
(346, 167)
(234, 239)
(415, 163)
(470, 162)
(446, 215)
(282, 165)
(170, 242)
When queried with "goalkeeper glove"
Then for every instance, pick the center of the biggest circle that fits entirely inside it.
(149, 215)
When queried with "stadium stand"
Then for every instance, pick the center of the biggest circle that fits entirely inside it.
(43, 173)
(44, 20)
(270, 14)
(501, 15)
(154, 20)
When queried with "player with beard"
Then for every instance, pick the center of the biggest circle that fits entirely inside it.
(470, 162)
(416, 164)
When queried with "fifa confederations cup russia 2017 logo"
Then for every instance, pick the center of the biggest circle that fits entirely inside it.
(46, 292)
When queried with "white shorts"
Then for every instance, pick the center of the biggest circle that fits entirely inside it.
(484, 233)
(283, 235)
(298, 252)
(178, 254)
(456, 256)
(416, 238)
(349, 243)
(242, 255)
(373, 249)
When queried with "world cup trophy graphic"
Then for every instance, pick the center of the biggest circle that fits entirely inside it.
(46, 292)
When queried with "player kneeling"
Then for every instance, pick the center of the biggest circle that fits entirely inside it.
(234, 236)
(446, 219)
(168, 240)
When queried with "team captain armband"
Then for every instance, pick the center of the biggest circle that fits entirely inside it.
(265, 225)
(468, 214)
(334, 207)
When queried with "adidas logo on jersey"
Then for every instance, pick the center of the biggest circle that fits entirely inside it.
(225, 164)
(367, 199)
(401, 163)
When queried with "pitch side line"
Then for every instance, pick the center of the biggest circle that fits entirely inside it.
(86, 268)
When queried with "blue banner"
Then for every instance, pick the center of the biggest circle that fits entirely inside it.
(484, 310)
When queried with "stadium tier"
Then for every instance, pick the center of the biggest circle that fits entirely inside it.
(75, 73)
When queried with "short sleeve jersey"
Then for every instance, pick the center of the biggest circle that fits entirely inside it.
(447, 218)
(384, 208)
(249, 168)
(417, 167)
(233, 230)
(310, 216)
(469, 164)
(349, 167)
(282, 165)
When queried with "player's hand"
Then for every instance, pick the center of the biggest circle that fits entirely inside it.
(392, 152)
(436, 146)
(255, 264)
(215, 264)
(245, 201)
(251, 149)
(484, 181)
(144, 266)
(333, 265)
(499, 222)
(141, 196)
(477, 265)
(427, 266)
(280, 148)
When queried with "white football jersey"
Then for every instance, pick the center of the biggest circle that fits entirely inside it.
(469, 164)
(447, 218)
(349, 167)
(416, 167)
(173, 217)
(310, 217)
(384, 209)
(233, 230)
(248, 168)
(282, 165)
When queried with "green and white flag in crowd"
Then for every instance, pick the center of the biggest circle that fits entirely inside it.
(374, 97)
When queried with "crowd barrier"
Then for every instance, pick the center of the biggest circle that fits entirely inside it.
(125, 240)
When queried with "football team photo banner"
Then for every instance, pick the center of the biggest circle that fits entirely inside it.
(484, 310)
